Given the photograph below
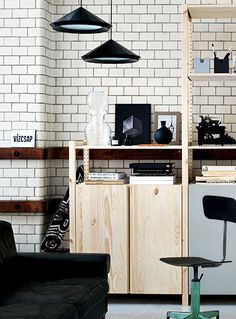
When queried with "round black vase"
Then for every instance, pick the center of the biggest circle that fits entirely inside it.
(163, 135)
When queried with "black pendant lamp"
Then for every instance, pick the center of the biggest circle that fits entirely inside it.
(80, 21)
(110, 52)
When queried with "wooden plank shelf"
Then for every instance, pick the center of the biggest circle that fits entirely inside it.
(214, 154)
(132, 152)
(212, 11)
(23, 153)
(212, 77)
(29, 206)
(121, 153)
(135, 154)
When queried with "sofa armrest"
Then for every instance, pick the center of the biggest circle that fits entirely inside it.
(41, 266)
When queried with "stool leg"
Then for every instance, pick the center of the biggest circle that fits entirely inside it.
(195, 297)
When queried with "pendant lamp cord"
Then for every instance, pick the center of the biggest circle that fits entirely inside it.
(81, 3)
(111, 21)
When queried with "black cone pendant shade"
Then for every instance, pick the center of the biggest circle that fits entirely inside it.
(110, 52)
(80, 21)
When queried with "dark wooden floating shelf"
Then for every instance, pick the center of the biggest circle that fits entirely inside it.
(29, 206)
(135, 154)
(214, 154)
(114, 154)
(23, 153)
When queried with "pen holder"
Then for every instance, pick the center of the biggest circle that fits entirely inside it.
(201, 65)
(221, 65)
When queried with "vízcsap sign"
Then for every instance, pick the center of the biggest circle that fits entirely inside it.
(23, 138)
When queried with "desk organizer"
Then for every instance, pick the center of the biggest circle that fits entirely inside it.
(201, 65)
(221, 65)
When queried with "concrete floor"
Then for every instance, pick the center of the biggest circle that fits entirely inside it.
(143, 307)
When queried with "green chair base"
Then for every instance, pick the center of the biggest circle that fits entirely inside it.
(190, 315)
(195, 312)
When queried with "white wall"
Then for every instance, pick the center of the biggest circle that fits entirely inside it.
(45, 83)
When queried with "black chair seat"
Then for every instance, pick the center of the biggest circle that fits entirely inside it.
(192, 262)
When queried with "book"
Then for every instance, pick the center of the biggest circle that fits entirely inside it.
(212, 168)
(152, 179)
(107, 176)
(152, 182)
(106, 182)
(151, 166)
(219, 173)
(215, 179)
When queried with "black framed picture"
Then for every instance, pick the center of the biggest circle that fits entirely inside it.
(132, 123)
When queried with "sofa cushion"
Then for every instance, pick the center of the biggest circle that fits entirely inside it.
(84, 293)
(38, 311)
(7, 243)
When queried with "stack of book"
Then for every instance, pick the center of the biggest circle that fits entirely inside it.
(107, 178)
(152, 173)
(217, 174)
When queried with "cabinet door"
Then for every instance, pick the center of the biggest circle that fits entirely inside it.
(208, 242)
(155, 224)
(102, 226)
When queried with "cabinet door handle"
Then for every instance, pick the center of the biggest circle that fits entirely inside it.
(156, 191)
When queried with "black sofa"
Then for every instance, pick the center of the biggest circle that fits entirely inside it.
(51, 285)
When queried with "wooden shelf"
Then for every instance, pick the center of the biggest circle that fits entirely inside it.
(213, 147)
(23, 153)
(133, 147)
(113, 152)
(172, 152)
(29, 206)
(212, 76)
(220, 153)
(212, 11)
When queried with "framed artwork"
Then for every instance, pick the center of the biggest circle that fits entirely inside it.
(172, 122)
(133, 122)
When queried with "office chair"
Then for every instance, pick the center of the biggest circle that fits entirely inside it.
(214, 207)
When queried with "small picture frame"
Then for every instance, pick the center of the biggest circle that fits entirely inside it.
(172, 121)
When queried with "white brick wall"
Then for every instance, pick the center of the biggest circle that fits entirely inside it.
(45, 83)
(28, 229)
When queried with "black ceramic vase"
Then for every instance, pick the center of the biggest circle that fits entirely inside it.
(163, 135)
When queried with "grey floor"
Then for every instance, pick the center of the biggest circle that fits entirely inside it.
(121, 307)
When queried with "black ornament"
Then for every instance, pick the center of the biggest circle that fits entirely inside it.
(163, 135)
(211, 132)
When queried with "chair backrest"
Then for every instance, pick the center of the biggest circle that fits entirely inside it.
(220, 208)
(7, 242)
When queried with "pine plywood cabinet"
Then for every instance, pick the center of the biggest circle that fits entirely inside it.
(155, 232)
(136, 224)
(102, 226)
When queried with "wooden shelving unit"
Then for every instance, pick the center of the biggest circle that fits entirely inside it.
(190, 151)
(186, 152)
(108, 218)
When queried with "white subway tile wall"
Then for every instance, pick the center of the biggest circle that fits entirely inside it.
(45, 83)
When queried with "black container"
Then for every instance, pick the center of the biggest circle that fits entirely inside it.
(221, 65)
(163, 135)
